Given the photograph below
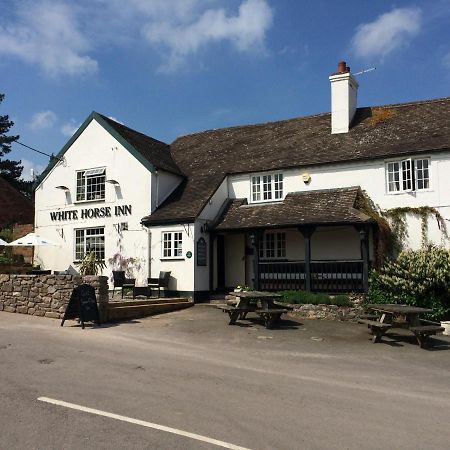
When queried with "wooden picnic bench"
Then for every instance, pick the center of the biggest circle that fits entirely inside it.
(235, 312)
(402, 316)
(377, 328)
(424, 332)
(270, 316)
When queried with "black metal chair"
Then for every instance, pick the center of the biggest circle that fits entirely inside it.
(161, 282)
(122, 282)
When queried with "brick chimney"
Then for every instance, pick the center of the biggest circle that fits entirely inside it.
(344, 91)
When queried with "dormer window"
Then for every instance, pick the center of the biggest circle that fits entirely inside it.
(91, 184)
(267, 188)
(408, 175)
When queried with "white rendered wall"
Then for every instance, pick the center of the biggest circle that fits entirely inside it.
(182, 268)
(95, 147)
(371, 177)
(163, 184)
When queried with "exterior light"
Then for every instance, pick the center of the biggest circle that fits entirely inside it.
(63, 188)
(113, 182)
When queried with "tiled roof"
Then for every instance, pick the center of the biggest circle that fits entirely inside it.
(377, 132)
(156, 152)
(330, 206)
(14, 206)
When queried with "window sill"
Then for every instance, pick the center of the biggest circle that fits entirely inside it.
(90, 201)
(178, 258)
(417, 191)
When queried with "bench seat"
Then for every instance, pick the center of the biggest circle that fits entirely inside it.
(378, 329)
(234, 312)
(271, 316)
(424, 332)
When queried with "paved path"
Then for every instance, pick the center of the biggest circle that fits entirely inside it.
(310, 385)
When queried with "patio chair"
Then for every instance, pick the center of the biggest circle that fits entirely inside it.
(161, 282)
(122, 282)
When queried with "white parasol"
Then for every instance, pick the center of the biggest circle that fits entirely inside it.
(2, 242)
(33, 240)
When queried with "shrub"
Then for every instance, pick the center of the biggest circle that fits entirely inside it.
(304, 297)
(418, 278)
(91, 265)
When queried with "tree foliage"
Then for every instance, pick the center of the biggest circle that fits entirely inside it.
(9, 169)
(418, 278)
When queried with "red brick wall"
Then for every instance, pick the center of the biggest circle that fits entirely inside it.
(14, 207)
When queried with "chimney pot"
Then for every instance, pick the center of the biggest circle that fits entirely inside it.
(342, 67)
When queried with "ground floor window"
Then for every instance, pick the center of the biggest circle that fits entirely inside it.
(90, 239)
(172, 244)
(272, 245)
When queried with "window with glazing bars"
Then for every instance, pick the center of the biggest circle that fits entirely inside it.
(90, 239)
(172, 244)
(273, 245)
(91, 184)
(266, 188)
(408, 174)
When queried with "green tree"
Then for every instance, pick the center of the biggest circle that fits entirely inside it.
(10, 170)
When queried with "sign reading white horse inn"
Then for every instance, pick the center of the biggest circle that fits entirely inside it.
(91, 213)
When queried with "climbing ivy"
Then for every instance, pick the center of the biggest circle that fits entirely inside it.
(393, 227)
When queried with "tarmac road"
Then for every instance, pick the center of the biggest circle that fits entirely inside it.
(309, 385)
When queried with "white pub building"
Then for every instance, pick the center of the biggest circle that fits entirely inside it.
(273, 206)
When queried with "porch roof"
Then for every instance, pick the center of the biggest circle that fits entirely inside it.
(320, 207)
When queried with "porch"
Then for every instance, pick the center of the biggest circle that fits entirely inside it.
(314, 241)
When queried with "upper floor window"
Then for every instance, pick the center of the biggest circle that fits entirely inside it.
(266, 188)
(172, 244)
(408, 175)
(272, 245)
(91, 184)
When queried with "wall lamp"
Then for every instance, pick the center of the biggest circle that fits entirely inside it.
(113, 182)
(63, 188)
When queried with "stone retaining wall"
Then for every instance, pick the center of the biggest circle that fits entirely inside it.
(47, 295)
(328, 312)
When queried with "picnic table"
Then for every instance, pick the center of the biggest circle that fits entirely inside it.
(401, 316)
(259, 302)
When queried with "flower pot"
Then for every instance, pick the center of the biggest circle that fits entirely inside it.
(446, 326)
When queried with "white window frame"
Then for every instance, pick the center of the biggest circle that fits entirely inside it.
(85, 238)
(258, 183)
(407, 184)
(172, 241)
(279, 251)
(99, 172)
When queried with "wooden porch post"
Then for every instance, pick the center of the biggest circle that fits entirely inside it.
(255, 236)
(307, 232)
(364, 239)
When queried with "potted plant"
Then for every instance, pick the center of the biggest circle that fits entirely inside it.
(91, 265)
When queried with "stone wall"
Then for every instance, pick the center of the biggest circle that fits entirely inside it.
(47, 295)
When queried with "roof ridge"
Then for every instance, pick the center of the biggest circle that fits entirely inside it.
(129, 128)
(311, 116)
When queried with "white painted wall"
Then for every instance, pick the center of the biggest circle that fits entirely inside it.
(371, 177)
(344, 90)
(95, 147)
(163, 184)
(215, 203)
(182, 269)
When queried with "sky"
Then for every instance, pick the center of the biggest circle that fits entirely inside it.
(173, 67)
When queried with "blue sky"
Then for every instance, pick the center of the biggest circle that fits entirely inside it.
(173, 67)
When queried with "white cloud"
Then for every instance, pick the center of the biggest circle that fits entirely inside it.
(48, 34)
(115, 120)
(61, 36)
(245, 31)
(70, 127)
(387, 33)
(42, 120)
(27, 166)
